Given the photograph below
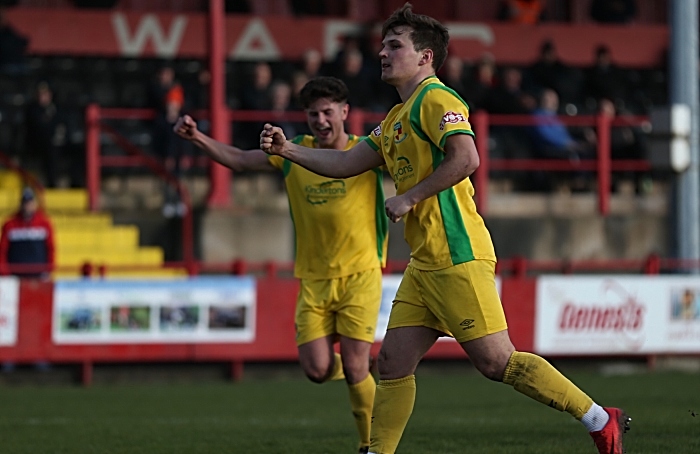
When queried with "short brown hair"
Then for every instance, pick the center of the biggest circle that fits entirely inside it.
(427, 33)
(323, 87)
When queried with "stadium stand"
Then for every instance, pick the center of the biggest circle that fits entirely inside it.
(89, 237)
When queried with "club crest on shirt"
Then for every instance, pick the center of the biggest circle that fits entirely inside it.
(451, 117)
(400, 136)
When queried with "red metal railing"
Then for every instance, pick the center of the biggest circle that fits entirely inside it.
(135, 158)
(602, 165)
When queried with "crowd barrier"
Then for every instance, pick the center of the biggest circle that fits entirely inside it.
(242, 319)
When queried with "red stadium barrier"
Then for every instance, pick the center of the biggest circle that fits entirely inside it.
(274, 339)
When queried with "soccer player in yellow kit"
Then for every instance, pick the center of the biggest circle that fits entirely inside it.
(448, 288)
(341, 244)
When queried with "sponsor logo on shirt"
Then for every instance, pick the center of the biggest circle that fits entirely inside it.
(376, 132)
(404, 169)
(451, 117)
(400, 136)
(28, 234)
(319, 194)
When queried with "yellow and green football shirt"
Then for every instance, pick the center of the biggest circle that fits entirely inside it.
(445, 229)
(340, 224)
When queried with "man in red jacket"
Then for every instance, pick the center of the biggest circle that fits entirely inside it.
(27, 239)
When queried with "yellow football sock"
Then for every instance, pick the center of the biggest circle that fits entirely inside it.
(337, 373)
(393, 405)
(536, 378)
(361, 400)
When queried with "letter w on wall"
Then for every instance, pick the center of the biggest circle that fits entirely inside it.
(149, 27)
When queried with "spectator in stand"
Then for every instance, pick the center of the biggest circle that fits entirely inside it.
(358, 83)
(45, 135)
(613, 11)
(511, 142)
(549, 72)
(27, 239)
(604, 79)
(483, 81)
(280, 99)
(312, 63)
(298, 80)
(255, 95)
(508, 96)
(528, 12)
(552, 140)
(13, 47)
(453, 75)
(167, 97)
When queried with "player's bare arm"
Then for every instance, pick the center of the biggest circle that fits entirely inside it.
(232, 157)
(326, 162)
(461, 160)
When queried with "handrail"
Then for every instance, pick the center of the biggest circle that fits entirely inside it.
(160, 171)
(602, 165)
(96, 126)
(481, 121)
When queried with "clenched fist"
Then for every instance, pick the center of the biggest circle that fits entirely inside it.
(186, 127)
(272, 139)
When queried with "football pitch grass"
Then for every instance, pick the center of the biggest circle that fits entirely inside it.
(455, 412)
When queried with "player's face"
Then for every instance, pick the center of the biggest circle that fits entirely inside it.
(326, 120)
(400, 61)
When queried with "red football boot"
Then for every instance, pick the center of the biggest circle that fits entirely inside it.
(609, 440)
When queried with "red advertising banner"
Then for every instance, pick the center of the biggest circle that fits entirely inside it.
(137, 34)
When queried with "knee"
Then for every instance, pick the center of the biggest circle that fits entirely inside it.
(493, 368)
(492, 371)
(316, 373)
(355, 372)
(389, 368)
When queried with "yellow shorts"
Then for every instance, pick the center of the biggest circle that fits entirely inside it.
(347, 306)
(461, 301)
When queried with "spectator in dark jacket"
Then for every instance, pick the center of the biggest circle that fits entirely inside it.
(27, 239)
(45, 135)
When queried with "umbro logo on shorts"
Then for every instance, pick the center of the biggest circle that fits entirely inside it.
(467, 324)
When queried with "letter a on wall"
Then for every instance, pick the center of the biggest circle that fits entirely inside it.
(256, 43)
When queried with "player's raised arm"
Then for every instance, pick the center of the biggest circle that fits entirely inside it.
(461, 160)
(227, 155)
(326, 162)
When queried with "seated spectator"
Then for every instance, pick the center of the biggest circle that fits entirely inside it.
(604, 79)
(521, 11)
(550, 72)
(551, 137)
(45, 135)
(358, 82)
(298, 80)
(453, 75)
(311, 63)
(613, 11)
(483, 80)
(508, 96)
(280, 100)
(255, 95)
(13, 47)
(27, 239)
